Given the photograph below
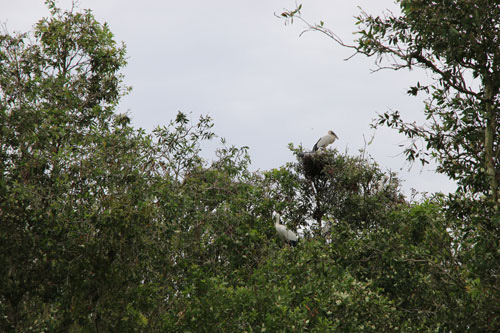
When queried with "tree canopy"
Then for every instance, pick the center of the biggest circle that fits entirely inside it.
(104, 227)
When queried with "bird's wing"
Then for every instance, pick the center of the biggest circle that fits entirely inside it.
(291, 235)
(316, 145)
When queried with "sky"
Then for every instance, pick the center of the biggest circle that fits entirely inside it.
(263, 85)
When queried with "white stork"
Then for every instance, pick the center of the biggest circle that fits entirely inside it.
(325, 141)
(289, 236)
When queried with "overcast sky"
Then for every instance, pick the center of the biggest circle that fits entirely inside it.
(263, 85)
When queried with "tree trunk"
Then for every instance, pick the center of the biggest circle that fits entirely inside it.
(489, 134)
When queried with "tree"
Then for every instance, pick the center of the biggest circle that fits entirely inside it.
(73, 193)
(456, 41)
(327, 186)
(107, 228)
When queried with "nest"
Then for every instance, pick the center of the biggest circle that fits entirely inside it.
(313, 164)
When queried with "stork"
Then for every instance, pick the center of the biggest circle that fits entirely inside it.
(325, 141)
(289, 236)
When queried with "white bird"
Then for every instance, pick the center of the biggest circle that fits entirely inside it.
(289, 236)
(382, 183)
(325, 140)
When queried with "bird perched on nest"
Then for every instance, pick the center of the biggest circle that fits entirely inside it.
(325, 141)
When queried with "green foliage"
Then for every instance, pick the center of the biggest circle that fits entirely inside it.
(70, 183)
(456, 42)
(411, 260)
(454, 254)
(107, 228)
(331, 186)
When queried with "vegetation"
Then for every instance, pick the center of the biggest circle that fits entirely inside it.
(104, 227)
